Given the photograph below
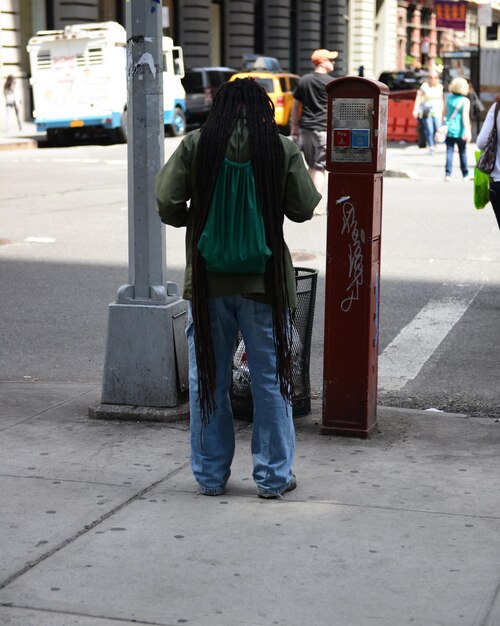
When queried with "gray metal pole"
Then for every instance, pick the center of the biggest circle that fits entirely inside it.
(145, 153)
(146, 357)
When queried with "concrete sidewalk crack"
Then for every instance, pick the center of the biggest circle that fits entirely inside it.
(31, 564)
(118, 620)
(380, 507)
(64, 480)
(50, 408)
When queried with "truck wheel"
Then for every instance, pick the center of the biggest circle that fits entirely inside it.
(178, 126)
(120, 133)
(56, 137)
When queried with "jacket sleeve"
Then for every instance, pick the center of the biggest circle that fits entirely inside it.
(174, 186)
(300, 195)
(487, 127)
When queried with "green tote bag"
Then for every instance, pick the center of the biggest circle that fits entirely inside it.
(481, 186)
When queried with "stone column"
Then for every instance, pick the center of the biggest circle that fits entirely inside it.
(386, 38)
(362, 19)
(193, 31)
(277, 31)
(308, 33)
(239, 21)
(335, 28)
(75, 12)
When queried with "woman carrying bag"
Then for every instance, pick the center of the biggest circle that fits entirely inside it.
(492, 121)
(428, 107)
(457, 119)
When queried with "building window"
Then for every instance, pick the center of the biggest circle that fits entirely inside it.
(409, 28)
(168, 18)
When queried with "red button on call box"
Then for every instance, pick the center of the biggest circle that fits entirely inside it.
(341, 137)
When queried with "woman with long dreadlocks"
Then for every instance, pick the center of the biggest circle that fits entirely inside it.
(238, 165)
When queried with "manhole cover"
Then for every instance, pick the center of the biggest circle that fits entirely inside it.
(303, 256)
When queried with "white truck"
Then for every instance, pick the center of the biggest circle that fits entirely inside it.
(79, 82)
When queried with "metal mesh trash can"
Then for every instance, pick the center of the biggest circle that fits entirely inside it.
(303, 317)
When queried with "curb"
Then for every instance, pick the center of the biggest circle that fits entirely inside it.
(18, 144)
(400, 174)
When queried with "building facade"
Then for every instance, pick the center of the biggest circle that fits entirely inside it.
(371, 35)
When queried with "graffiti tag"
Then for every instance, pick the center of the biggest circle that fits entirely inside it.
(357, 239)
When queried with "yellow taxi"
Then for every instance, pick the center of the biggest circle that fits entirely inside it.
(279, 87)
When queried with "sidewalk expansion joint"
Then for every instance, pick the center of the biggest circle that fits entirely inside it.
(118, 620)
(50, 408)
(64, 480)
(32, 564)
(380, 507)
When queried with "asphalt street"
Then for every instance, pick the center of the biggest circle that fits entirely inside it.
(101, 522)
(65, 256)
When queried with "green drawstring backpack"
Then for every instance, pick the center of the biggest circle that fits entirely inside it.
(233, 240)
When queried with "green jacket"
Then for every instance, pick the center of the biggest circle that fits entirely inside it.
(175, 186)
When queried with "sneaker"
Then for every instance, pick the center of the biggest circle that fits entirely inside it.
(468, 177)
(276, 496)
(447, 179)
(204, 491)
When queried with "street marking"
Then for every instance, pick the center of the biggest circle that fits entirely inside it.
(34, 239)
(84, 161)
(408, 352)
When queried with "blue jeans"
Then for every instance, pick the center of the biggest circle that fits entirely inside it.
(430, 125)
(273, 435)
(461, 144)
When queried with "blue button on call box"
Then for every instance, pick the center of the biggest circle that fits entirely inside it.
(360, 138)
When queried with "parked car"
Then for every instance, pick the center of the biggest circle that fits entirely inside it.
(403, 80)
(279, 87)
(200, 85)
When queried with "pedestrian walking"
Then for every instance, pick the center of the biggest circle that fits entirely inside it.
(241, 178)
(309, 113)
(491, 121)
(457, 120)
(11, 105)
(476, 106)
(428, 107)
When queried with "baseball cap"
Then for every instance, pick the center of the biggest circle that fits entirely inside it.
(318, 56)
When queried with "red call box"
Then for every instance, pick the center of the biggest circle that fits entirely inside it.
(357, 125)
(356, 148)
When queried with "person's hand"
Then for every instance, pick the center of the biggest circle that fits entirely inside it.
(467, 136)
(415, 114)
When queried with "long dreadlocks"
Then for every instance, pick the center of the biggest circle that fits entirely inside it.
(267, 162)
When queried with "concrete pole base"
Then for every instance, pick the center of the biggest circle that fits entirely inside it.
(146, 355)
(139, 413)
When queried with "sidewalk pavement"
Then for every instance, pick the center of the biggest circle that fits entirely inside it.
(26, 138)
(101, 522)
